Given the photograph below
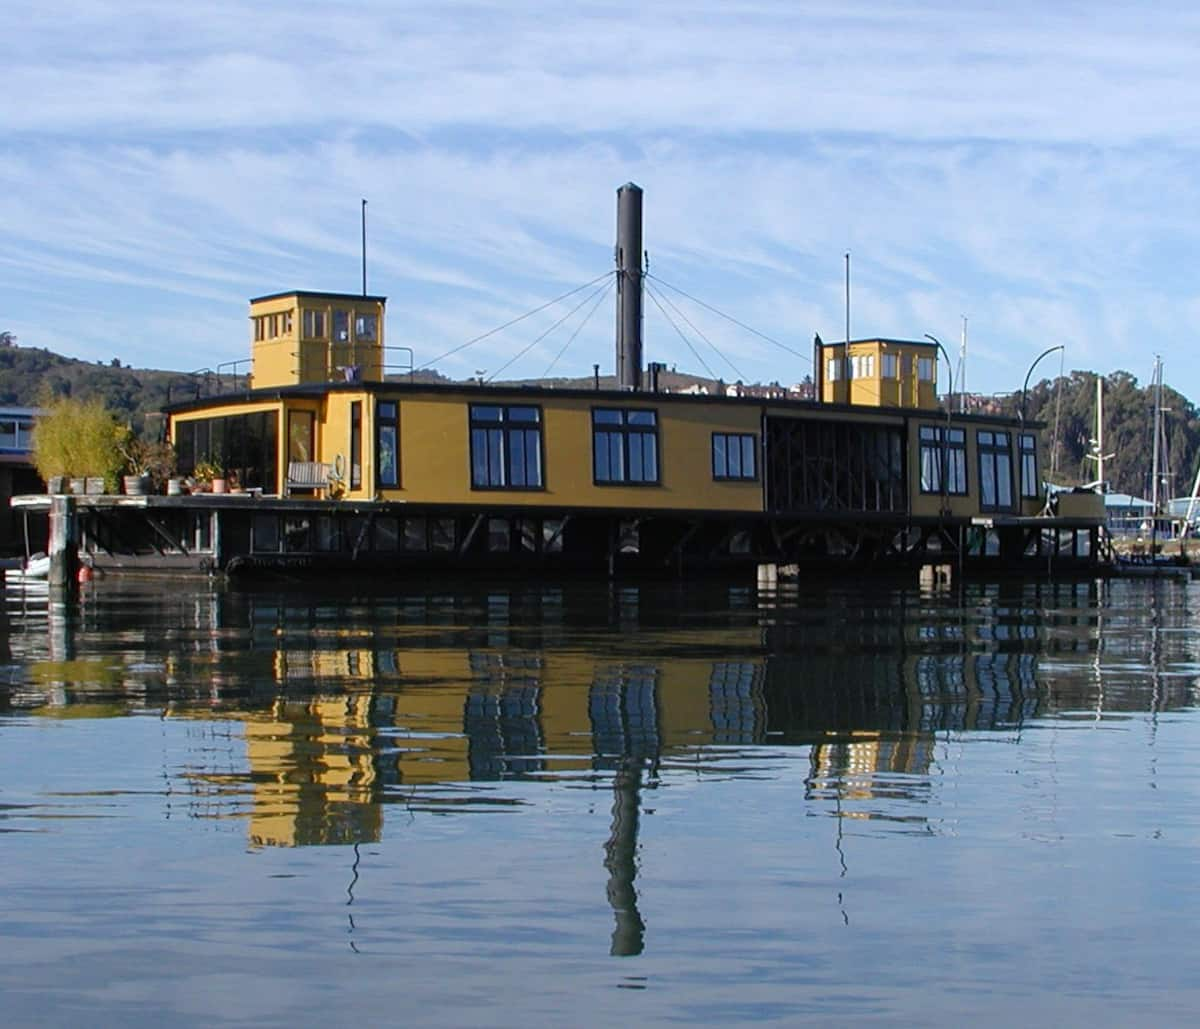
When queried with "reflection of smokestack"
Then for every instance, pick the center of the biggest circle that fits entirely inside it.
(620, 858)
(629, 286)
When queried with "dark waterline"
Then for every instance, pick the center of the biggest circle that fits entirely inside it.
(471, 802)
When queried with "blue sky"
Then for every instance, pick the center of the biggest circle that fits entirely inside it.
(1029, 166)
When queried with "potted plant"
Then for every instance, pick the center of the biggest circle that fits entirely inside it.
(148, 464)
(207, 474)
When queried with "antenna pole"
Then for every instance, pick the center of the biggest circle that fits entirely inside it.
(847, 298)
(364, 247)
(962, 370)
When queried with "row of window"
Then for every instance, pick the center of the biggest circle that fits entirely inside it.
(318, 325)
(390, 534)
(272, 326)
(507, 449)
(862, 366)
(944, 465)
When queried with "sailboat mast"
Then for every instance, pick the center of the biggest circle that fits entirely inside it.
(1100, 432)
(962, 369)
(1154, 498)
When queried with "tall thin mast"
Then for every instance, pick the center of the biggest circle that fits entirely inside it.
(847, 302)
(1157, 432)
(364, 247)
(962, 370)
(1098, 443)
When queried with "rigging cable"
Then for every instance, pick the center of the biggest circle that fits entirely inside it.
(587, 318)
(686, 342)
(667, 301)
(524, 350)
(509, 324)
(722, 314)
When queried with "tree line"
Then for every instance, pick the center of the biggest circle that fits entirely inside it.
(1067, 407)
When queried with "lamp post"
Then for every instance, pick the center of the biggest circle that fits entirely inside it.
(1025, 385)
(945, 448)
(949, 368)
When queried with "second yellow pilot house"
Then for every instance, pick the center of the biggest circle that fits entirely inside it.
(878, 373)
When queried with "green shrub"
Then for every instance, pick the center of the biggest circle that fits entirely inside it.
(78, 437)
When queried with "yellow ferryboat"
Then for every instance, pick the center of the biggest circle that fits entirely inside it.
(343, 462)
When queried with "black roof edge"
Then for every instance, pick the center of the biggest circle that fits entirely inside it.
(879, 339)
(318, 295)
(529, 393)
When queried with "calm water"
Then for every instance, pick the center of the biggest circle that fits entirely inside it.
(468, 804)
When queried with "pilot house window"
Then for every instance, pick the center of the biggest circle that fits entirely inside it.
(364, 327)
(314, 324)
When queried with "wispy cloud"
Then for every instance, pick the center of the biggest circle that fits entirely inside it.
(1027, 166)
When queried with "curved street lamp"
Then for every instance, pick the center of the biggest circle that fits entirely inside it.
(1025, 385)
(949, 369)
(945, 447)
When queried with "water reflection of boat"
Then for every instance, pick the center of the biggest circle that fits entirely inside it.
(1150, 568)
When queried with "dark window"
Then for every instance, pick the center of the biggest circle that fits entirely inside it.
(244, 445)
(387, 533)
(943, 460)
(734, 455)
(624, 446)
(328, 534)
(387, 451)
(995, 471)
(415, 534)
(499, 535)
(266, 533)
(356, 444)
(819, 466)
(1030, 486)
(441, 533)
(506, 447)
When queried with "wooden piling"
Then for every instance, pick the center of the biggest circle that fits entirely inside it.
(64, 556)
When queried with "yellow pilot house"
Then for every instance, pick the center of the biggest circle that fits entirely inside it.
(878, 373)
(316, 337)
